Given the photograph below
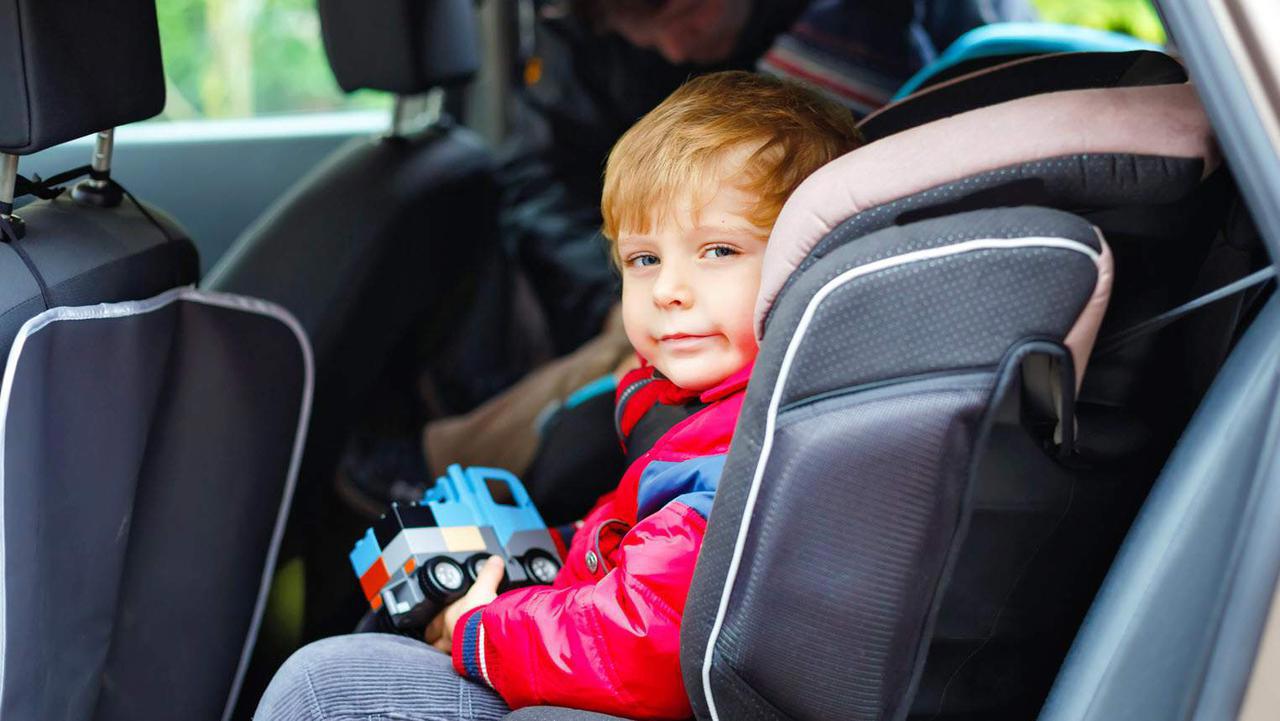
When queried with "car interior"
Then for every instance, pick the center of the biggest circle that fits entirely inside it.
(1015, 386)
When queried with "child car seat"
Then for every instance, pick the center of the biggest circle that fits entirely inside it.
(148, 431)
(926, 486)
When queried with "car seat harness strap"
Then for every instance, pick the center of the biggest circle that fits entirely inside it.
(48, 189)
(1119, 339)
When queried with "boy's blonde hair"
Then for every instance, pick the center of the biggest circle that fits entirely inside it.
(787, 130)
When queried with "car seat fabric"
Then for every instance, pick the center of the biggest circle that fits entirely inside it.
(166, 436)
(64, 64)
(1165, 123)
(870, 411)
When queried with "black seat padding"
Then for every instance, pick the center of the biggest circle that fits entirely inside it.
(398, 46)
(378, 246)
(149, 432)
(1020, 78)
(75, 67)
(88, 255)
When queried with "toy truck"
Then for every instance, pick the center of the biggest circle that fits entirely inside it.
(420, 557)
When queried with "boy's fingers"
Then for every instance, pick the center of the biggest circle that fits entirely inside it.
(491, 573)
(435, 629)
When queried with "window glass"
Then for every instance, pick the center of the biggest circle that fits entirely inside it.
(244, 58)
(1132, 17)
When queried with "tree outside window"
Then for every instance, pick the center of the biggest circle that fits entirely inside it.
(244, 58)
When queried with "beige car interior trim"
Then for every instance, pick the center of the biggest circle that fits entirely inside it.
(1262, 697)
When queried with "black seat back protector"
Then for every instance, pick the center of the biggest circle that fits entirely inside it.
(148, 456)
(849, 487)
(75, 67)
(376, 252)
(86, 254)
(1021, 78)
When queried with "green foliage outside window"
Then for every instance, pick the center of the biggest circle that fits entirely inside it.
(241, 58)
(1132, 17)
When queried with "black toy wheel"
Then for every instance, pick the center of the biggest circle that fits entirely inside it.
(474, 564)
(442, 576)
(540, 566)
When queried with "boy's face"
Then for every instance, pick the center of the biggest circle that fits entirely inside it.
(689, 288)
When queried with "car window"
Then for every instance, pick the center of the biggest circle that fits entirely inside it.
(248, 58)
(1131, 17)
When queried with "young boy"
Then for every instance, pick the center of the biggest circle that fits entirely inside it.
(690, 195)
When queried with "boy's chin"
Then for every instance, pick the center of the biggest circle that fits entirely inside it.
(694, 376)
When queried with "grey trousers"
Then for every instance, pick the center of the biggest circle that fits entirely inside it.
(375, 677)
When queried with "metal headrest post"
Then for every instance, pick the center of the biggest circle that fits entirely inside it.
(98, 189)
(8, 186)
(416, 113)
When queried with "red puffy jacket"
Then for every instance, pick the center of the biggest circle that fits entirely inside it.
(606, 635)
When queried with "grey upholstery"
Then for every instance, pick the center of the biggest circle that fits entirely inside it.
(383, 239)
(849, 480)
(149, 449)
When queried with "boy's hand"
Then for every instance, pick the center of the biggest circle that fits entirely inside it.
(439, 632)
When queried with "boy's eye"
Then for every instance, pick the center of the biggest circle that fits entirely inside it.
(719, 251)
(642, 260)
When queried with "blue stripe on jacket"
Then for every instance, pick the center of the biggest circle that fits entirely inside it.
(692, 482)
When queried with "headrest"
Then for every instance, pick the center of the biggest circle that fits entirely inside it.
(1162, 121)
(1021, 78)
(400, 46)
(75, 67)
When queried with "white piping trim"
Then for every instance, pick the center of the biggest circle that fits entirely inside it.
(484, 667)
(130, 308)
(792, 348)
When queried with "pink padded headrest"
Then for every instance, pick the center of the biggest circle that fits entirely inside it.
(1163, 120)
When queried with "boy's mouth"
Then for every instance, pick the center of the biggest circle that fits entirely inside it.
(682, 341)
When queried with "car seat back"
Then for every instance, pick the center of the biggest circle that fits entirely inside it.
(149, 452)
(63, 66)
(926, 484)
(148, 431)
(377, 249)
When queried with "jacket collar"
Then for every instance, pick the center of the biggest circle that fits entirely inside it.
(728, 386)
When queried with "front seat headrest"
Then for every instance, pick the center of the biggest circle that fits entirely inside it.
(400, 46)
(75, 67)
(1015, 140)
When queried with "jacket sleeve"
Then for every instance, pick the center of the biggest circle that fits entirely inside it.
(611, 645)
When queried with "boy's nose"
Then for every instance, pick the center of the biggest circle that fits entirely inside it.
(672, 289)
